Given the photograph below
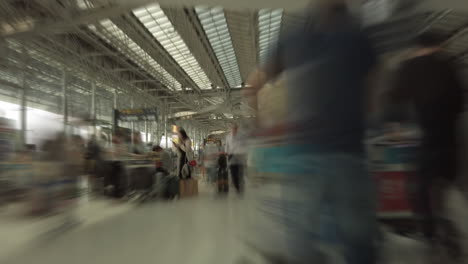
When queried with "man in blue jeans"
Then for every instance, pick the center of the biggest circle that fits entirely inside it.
(321, 165)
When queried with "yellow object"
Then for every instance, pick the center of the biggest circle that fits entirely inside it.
(272, 104)
(175, 139)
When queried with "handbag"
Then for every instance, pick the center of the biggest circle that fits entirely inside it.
(186, 169)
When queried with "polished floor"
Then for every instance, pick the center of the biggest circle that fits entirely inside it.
(201, 230)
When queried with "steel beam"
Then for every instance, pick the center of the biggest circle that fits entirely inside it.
(81, 18)
(243, 29)
(24, 113)
(64, 99)
(93, 105)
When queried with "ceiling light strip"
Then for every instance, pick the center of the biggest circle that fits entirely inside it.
(269, 25)
(216, 29)
(159, 25)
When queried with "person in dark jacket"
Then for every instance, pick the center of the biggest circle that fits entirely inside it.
(430, 83)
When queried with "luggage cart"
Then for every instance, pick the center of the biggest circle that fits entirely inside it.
(15, 179)
(54, 192)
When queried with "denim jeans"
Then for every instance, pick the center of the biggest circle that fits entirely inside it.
(323, 208)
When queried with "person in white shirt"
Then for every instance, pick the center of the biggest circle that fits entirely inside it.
(235, 149)
(212, 151)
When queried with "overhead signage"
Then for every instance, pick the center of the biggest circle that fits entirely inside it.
(137, 114)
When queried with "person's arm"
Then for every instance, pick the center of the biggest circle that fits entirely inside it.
(261, 76)
(187, 148)
(183, 145)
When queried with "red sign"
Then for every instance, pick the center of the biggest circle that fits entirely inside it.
(393, 191)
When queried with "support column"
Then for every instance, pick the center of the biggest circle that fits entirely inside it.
(23, 113)
(132, 124)
(146, 131)
(64, 100)
(156, 127)
(115, 99)
(93, 106)
(114, 128)
(165, 121)
(23, 103)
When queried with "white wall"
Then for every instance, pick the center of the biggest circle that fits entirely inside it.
(40, 124)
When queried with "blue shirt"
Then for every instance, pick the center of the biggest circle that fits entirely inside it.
(325, 75)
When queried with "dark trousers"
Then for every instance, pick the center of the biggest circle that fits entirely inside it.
(437, 173)
(237, 176)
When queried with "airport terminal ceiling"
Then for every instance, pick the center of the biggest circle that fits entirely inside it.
(178, 56)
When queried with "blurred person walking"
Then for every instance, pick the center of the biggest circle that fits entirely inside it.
(165, 161)
(188, 184)
(94, 162)
(430, 83)
(200, 160)
(322, 167)
(166, 186)
(211, 154)
(235, 150)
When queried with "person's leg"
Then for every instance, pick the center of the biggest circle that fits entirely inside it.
(204, 175)
(211, 174)
(235, 169)
(285, 216)
(425, 209)
(208, 175)
(445, 229)
(428, 192)
(292, 201)
(352, 200)
(241, 178)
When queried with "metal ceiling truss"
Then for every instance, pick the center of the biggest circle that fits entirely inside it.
(177, 96)
(142, 37)
(244, 32)
(55, 17)
(135, 58)
(150, 53)
(126, 88)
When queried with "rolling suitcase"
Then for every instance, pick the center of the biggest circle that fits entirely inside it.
(188, 188)
(117, 178)
(223, 183)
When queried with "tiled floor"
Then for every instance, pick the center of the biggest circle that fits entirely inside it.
(17, 232)
(202, 230)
